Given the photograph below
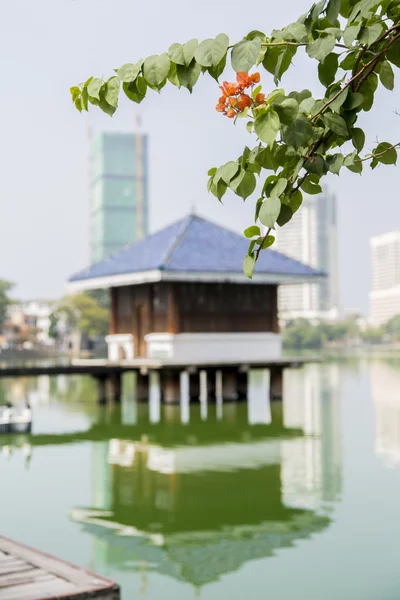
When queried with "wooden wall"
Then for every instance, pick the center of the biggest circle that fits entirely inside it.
(192, 308)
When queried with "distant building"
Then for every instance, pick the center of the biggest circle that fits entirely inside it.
(29, 321)
(311, 237)
(119, 192)
(385, 294)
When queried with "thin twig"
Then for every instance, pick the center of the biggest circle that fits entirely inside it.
(380, 153)
(262, 242)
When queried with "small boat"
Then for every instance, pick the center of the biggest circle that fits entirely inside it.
(15, 420)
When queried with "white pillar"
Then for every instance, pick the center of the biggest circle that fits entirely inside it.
(218, 393)
(203, 395)
(258, 402)
(184, 396)
(154, 396)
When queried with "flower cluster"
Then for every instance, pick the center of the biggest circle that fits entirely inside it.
(234, 99)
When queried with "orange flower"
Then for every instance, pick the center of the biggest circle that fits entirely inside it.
(232, 101)
(260, 98)
(230, 113)
(243, 80)
(255, 78)
(244, 101)
(220, 107)
(228, 89)
(222, 100)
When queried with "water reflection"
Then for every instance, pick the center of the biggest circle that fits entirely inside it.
(198, 505)
(385, 389)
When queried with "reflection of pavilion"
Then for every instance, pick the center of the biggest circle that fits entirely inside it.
(385, 386)
(196, 512)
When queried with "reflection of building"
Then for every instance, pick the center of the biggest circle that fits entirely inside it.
(312, 471)
(385, 386)
(119, 192)
(311, 237)
(385, 294)
(181, 294)
(196, 512)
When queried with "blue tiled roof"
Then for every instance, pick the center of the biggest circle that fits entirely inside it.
(192, 245)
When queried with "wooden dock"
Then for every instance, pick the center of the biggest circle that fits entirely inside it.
(27, 574)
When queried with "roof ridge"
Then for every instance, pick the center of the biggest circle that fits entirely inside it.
(178, 240)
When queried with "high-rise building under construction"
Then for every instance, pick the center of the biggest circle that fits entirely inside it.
(118, 192)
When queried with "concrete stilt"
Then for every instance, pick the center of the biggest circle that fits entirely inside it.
(170, 387)
(218, 393)
(258, 403)
(203, 396)
(154, 397)
(184, 396)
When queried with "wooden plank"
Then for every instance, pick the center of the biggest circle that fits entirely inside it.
(27, 574)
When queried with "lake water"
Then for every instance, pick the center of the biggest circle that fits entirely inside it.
(300, 500)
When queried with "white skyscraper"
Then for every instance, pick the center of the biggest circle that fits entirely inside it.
(311, 237)
(385, 294)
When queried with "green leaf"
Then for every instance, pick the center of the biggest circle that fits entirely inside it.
(327, 69)
(267, 126)
(228, 171)
(136, 90)
(317, 9)
(283, 63)
(249, 264)
(176, 54)
(336, 123)
(112, 91)
(267, 160)
(94, 88)
(311, 188)
(358, 138)
(351, 33)
(76, 91)
(217, 71)
(293, 200)
(285, 215)
(349, 62)
(298, 133)
(250, 126)
(266, 242)
(339, 101)
(353, 163)
(353, 100)
(315, 165)
(210, 52)
(346, 6)
(269, 211)
(335, 163)
(390, 154)
(321, 47)
(332, 10)
(189, 50)
(156, 69)
(367, 89)
(129, 72)
(393, 54)
(244, 54)
(246, 186)
(279, 187)
(188, 76)
(287, 110)
(386, 75)
(252, 231)
(103, 104)
(211, 172)
(295, 31)
(370, 33)
(78, 103)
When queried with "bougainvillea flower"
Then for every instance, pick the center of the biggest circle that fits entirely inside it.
(228, 89)
(260, 98)
(231, 113)
(255, 78)
(243, 80)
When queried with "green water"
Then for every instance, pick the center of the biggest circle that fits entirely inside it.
(246, 501)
